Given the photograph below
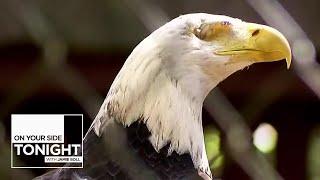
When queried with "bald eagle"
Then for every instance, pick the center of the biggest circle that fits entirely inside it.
(150, 124)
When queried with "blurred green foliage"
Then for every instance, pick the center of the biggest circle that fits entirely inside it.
(313, 159)
(213, 149)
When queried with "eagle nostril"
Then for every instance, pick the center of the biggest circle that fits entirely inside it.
(256, 32)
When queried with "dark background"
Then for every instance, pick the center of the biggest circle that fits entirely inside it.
(62, 56)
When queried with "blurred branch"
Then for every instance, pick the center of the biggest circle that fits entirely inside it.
(54, 55)
(22, 89)
(70, 79)
(238, 137)
(261, 99)
(303, 50)
(150, 15)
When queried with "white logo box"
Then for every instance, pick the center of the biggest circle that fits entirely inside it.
(32, 129)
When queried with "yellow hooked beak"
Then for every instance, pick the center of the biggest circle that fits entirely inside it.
(262, 44)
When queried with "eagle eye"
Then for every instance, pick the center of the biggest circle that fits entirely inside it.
(211, 31)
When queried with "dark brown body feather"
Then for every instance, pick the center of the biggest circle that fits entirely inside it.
(126, 153)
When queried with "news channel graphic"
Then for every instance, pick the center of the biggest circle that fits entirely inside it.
(40, 140)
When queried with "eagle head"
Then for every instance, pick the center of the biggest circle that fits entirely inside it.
(166, 78)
